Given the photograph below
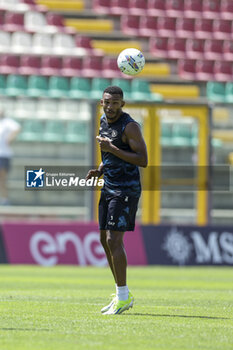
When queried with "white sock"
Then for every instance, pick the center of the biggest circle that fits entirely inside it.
(122, 292)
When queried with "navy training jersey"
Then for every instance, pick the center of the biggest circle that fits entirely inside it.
(120, 177)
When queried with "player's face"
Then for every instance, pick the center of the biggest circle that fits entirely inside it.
(112, 106)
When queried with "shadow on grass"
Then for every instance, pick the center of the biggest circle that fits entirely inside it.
(185, 316)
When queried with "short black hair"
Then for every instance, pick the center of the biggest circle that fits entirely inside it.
(114, 90)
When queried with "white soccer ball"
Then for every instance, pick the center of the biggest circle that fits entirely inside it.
(131, 61)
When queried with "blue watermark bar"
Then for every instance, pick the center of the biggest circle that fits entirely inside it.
(172, 178)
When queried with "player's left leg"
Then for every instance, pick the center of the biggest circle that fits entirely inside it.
(118, 254)
(124, 299)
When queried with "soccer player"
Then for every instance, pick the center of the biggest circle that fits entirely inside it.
(123, 149)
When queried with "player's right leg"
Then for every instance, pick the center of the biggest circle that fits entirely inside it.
(103, 213)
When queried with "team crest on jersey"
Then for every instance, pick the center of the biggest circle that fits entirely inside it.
(114, 133)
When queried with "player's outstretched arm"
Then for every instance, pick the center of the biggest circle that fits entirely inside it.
(134, 138)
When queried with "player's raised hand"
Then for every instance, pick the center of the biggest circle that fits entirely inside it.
(105, 143)
(93, 173)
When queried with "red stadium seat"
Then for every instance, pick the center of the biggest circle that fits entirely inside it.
(222, 29)
(137, 7)
(205, 70)
(166, 26)
(175, 8)
(50, 65)
(211, 8)
(148, 26)
(130, 24)
(118, 7)
(223, 71)
(110, 68)
(53, 19)
(195, 48)
(71, 66)
(14, 22)
(29, 2)
(56, 21)
(84, 42)
(92, 67)
(213, 49)
(30, 65)
(187, 69)
(156, 7)
(193, 8)
(204, 28)
(185, 27)
(101, 6)
(228, 50)
(2, 19)
(9, 64)
(226, 10)
(177, 48)
(159, 47)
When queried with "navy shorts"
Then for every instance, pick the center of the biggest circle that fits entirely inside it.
(5, 163)
(117, 213)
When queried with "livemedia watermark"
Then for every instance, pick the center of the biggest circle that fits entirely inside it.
(172, 178)
(47, 178)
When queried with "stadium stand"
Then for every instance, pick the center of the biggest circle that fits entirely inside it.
(90, 25)
(71, 66)
(213, 49)
(9, 64)
(187, 69)
(175, 8)
(195, 48)
(193, 8)
(69, 5)
(98, 86)
(110, 68)
(112, 47)
(228, 50)
(137, 7)
(185, 27)
(216, 91)
(148, 26)
(29, 65)
(176, 91)
(37, 86)
(211, 9)
(226, 9)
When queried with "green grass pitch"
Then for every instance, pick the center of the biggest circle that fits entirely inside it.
(58, 308)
